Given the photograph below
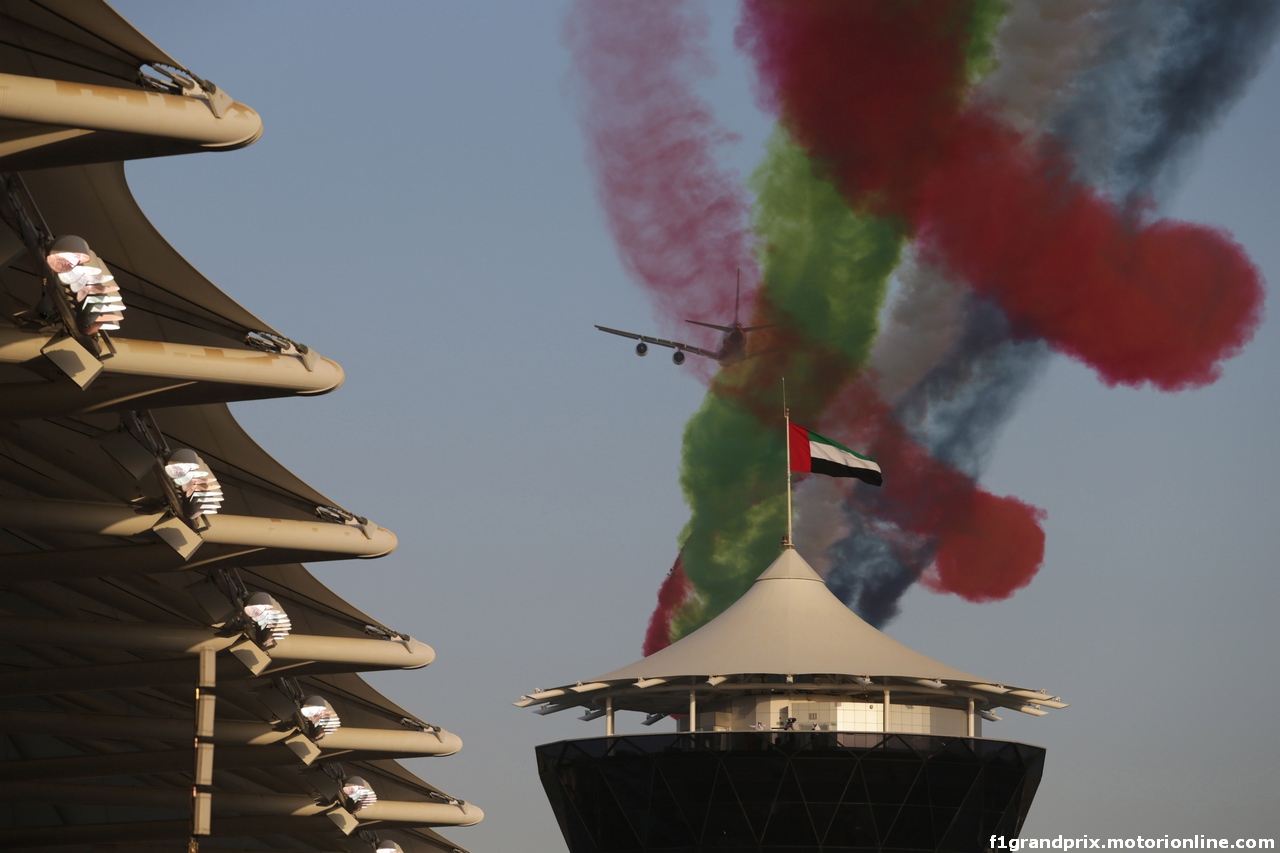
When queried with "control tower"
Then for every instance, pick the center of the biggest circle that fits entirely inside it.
(799, 726)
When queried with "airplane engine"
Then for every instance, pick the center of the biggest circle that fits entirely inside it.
(677, 357)
(642, 349)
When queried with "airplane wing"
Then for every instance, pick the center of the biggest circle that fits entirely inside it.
(660, 342)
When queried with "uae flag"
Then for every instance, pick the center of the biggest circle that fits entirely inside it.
(821, 455)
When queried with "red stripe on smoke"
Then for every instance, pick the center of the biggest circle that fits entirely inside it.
(875, 92)
(672, 594)
(679, 221)
(1162, 302)
(985, 546)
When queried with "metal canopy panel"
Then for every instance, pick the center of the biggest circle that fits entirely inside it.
(168, 299)
(787, 633)
(110, 49)
(80, 85)
(788, 623)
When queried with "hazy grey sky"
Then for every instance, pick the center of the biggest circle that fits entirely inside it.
(419, 209)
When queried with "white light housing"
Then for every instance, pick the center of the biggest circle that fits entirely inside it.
(201, 492)
(88, 282)
(271, 622)
(67, 253)
(651, 719)
(318, 717)
(356, 794)
(988, 715)
(388, 847)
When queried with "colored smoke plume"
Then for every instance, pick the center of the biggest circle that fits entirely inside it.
(870, 90)
(1163, 302)
(1164, 74)
(985, 547)
(1116, 87)
(1140, 302)
(906, 148)
(674, 592)
(678, 219)
(988, 547)
(826, 273)
(958, 406)
(826, 270)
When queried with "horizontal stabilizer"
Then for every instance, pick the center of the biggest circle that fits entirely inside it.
(711, 326)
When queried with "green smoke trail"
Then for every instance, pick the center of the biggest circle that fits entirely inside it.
(826, 271)
(825, 276)
(979, 54)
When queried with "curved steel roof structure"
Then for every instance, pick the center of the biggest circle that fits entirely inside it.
(161, 656)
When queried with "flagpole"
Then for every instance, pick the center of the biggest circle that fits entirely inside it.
(786, 446)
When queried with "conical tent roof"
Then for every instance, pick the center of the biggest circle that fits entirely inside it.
(787, 628)
(788, 623)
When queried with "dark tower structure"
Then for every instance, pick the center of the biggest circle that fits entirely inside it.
(800, 728)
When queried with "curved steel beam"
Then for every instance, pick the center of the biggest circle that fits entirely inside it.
(84, 106)
(109, 519)
(381, 743)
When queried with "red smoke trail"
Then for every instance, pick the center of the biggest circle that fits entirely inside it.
(869, 88)
(1162, 302)
(680, 222)
(673, 592)
(874, 91)
(986, 547)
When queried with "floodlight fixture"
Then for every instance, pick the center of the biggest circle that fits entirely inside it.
(270, 624)
(66, 253)
(318, 717)
(201, 493)
(388, 847)
(593, 714)
(863, 680)
(989, 715)
(652, 718)
(356, 794)
(87, 283)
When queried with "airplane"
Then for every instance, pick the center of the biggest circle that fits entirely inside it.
(733, 346)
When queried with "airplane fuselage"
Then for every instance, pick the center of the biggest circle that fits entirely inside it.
(733, 346)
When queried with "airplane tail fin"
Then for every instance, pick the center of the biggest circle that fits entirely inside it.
(737, 297)
(737, 301)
